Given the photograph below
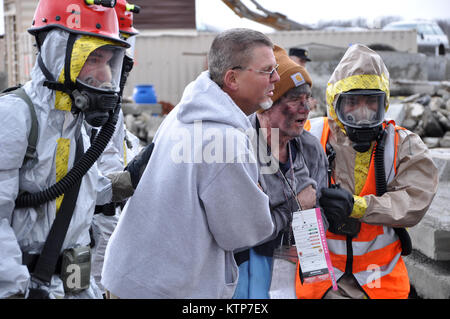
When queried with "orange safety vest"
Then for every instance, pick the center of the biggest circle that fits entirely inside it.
(377, 263)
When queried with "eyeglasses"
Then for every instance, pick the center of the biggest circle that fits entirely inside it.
(271, 72)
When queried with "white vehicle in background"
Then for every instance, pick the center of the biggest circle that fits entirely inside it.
(430, 36)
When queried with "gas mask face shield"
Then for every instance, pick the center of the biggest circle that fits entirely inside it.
(362, 114)
(98, 84)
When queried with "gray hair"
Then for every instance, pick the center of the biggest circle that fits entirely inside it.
(233, 48)
(293, 93)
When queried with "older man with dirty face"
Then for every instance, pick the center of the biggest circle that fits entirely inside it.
(293, 168)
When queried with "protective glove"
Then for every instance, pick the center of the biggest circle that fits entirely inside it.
(137, 166)
(337, 204)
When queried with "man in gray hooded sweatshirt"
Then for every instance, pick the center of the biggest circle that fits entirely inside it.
(199, 198)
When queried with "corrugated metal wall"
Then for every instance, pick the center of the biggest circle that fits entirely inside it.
(167, 14)
(399, 40)
(170, 62)
(19, 51)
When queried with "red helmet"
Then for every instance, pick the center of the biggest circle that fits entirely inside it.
(91, 17)
(124, 12)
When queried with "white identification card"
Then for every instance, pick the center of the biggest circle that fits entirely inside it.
(312, 248)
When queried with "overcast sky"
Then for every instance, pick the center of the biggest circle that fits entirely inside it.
(216, 13)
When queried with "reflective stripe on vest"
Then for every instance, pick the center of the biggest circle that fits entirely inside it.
(377, 264)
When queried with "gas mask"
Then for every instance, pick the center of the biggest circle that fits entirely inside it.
(90, 79)
(97, 86)
(362, 114)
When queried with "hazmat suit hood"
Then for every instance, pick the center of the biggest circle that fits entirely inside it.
(53, 55)
(359, 68)
(50, 109)
(77, 90)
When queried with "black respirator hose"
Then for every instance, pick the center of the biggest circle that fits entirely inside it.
(78, 170)
(380, 174)
(92, 154)
(381, 186)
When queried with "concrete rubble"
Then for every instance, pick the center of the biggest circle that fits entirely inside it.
(426, 114)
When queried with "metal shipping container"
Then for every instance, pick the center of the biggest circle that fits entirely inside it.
(170, 61)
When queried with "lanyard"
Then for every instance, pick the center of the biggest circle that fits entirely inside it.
(289, 232)
(282, 175)
(293, 178)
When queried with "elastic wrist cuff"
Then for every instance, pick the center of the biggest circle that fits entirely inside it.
(359, 207)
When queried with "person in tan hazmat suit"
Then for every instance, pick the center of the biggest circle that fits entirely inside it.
(382, 179)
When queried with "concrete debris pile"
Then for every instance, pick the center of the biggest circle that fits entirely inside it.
(427, 115)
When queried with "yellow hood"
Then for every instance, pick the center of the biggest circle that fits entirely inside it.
(82, 48)
(359, 68)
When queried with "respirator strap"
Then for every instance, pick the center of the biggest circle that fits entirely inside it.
(50, 82)
(68, 59)
(44, 69)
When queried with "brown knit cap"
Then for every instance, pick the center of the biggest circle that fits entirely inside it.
(291, 74)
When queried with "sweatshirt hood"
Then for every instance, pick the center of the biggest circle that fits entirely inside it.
(204, 100)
